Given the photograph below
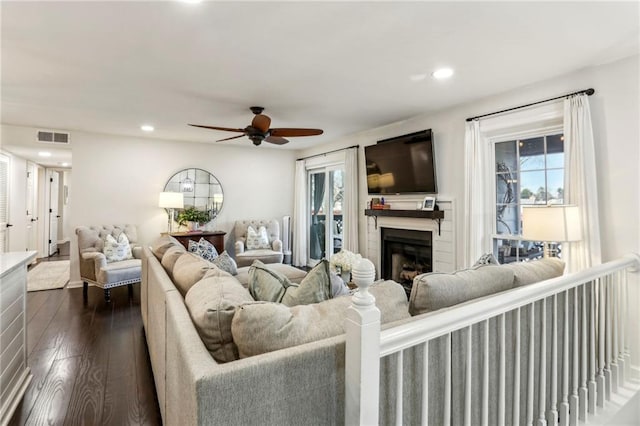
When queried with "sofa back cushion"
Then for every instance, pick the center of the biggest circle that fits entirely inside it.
(212, 303)
(160, 246)
(437, 290)
(526, 273)
(262, 327)
(170, 258)
(189, 269)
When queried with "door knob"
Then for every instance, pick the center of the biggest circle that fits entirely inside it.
(9, 225)
(33, 220)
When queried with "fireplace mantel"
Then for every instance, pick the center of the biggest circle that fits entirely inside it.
(436, 215)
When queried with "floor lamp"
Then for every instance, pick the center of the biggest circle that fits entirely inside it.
(171, 201)
(551, 224)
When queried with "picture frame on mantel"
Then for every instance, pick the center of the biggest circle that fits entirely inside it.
(428, 203)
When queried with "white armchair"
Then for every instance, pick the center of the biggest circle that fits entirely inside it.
(245, 256)
(94, 267)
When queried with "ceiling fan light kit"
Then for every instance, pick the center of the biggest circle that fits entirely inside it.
(259, 130)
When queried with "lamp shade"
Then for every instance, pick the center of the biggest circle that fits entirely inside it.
(171, 200)
(554, 223)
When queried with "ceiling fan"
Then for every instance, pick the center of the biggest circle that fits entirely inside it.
(259, 130)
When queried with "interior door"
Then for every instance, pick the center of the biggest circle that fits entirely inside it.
(53, 211)
(31, 201)
(4, 203)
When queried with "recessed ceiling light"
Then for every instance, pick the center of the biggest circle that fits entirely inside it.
(147, 128)
(418, 77)
(191, 1)
(442, 73)
(44, 154)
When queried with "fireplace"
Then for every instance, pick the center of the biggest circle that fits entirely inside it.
(405, 254)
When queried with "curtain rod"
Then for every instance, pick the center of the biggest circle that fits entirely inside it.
(587, 92)
(329, 152)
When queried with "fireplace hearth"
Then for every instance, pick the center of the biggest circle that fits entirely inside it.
(405, 254)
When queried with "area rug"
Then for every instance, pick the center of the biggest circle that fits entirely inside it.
(48, 276)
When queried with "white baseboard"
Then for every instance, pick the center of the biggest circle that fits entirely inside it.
(74, 284)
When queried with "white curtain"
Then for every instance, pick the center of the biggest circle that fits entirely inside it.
(580, 183)
(478, 215)
(299, 240)
(350, 201)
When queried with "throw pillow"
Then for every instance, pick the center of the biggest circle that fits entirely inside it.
(487, 259)
(257, 240)
(437, 290)
(212, 303)
(267, 284)
(262, 327)
(117, 250)
(204, 249)
(314, 288)
(226, 263)
(338, 287)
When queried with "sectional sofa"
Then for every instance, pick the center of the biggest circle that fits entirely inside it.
(297, 375)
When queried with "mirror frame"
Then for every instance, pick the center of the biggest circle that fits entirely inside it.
(205, 189)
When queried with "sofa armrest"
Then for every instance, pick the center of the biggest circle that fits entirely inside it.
(136, 250)
(98, 258)
(239, 246)
(277, 245)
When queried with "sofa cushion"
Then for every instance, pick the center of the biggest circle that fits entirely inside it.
(116, 250)
(438, 290)
(526, 273)
(294, 275)
(267, 284)
(170, 257)
(296, 325)
(162, 244)
(212, 303)
(204, 249)
(226, 263)
(314, 288)
(188, 270)
(257, 239)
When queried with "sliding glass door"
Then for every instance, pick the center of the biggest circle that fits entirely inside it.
(325, 198)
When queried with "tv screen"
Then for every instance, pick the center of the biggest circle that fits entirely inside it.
(402, 165)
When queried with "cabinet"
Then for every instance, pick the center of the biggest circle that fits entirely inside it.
(216, 238)
(15, 375)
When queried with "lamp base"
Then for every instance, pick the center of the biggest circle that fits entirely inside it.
(551, 249)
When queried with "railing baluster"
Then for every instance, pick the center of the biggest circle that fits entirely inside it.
(530, 367)
(399, 387)
(425, 385)
(553, 411)
(621, 329)
(502, 374)
(601, 341)
(564, 405)
(607, 338)
(627, 350)
(447, 383)
(542, 378)
(516, 371)
(584, 349)
(467, 382)
(485, 376)
(613, 305)
(574, 400)
(593, 384)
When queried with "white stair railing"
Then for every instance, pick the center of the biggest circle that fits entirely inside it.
(560, 351)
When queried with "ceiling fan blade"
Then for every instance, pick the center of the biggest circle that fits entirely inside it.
(227, 129)
(276, 140)
(232, 137)
(261, 122)
(295, 132)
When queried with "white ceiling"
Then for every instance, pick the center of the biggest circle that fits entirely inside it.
(108, 67)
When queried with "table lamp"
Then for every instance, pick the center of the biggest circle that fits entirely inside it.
(171, 201)
(551, 224)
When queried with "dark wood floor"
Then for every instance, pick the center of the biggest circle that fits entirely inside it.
(89, 360)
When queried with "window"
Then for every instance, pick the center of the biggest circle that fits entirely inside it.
(527, 171)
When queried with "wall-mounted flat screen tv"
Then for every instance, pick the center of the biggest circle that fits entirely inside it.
(402, 165)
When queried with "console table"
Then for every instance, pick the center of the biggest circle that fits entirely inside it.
(215, 237)
(14, 371)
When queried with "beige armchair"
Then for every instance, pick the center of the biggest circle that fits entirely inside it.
(244, 256)
(94, 267)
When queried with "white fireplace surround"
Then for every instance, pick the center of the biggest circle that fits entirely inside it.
(443, 243)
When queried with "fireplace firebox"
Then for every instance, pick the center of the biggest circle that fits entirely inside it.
(405, 254)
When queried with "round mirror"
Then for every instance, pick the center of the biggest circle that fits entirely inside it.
(200, 189)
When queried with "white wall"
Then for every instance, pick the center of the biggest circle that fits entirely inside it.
(17, 203)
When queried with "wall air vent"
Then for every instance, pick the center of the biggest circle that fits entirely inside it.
(49, 136)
